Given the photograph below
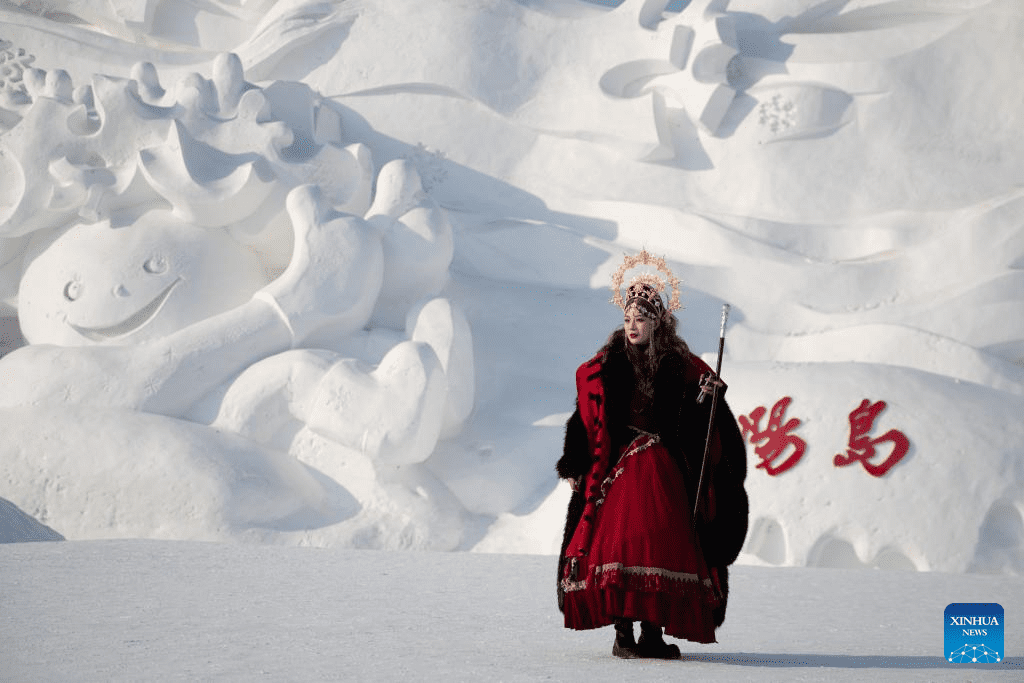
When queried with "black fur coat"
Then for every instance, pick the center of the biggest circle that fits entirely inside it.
(682, 424)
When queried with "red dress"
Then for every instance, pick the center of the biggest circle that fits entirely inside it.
(633, 555)
(643, 562)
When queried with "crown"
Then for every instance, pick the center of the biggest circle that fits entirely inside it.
(646, 289)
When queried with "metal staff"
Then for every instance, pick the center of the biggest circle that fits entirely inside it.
(711, 420)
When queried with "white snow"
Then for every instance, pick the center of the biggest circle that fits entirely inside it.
(301, 273)
(162, 611)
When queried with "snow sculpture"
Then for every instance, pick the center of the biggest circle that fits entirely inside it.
(712, 66)
(417, 242)
(202, 253)
(100, 284)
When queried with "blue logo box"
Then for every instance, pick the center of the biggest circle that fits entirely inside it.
(974, 633)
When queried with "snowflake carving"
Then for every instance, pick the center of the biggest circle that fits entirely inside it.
(777, 114)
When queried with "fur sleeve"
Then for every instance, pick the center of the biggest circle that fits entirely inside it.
(684, 430)
(575, 461)
(723, 535)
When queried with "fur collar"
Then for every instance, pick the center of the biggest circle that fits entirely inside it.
(675, 383)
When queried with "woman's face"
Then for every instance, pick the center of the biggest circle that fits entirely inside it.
(638, 326)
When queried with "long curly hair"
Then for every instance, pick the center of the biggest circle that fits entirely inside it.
(646, 358)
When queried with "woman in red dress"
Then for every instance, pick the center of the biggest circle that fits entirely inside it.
(633, 451)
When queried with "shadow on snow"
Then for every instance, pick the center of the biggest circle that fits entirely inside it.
(843, 661)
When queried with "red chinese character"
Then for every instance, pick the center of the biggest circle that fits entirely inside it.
(776, 437)
(862, 448)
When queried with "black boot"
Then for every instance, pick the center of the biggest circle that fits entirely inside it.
(625, 645)
(652, 646)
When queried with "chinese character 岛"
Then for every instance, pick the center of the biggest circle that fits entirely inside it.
(862, 448)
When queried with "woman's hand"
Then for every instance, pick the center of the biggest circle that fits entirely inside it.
(709, 381)
(574, 483)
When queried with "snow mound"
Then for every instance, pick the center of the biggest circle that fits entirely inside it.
(88, 469)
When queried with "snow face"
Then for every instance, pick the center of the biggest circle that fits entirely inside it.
(97, 284)
(846, 178)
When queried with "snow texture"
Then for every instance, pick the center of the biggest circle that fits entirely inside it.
(320, 273)
(162, 611)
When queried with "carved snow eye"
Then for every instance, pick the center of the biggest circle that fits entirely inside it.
(73, 290)
(155, 265)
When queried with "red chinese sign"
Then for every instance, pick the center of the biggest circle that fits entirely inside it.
(776, 437)
(779, 449)
(862, 447)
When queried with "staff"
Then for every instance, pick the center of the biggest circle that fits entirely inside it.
(711, 420)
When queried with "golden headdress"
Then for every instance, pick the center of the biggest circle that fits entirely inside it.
(646, 289)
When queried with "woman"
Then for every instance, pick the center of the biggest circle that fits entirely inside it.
(633, 452)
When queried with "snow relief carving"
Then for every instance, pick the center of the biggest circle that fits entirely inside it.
(710, 66)
(215, 252)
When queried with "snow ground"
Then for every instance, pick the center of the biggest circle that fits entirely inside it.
(166, 611)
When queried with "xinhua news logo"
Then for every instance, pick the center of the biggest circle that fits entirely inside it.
(974, 633)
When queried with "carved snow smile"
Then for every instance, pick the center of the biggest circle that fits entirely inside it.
(135, 321)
